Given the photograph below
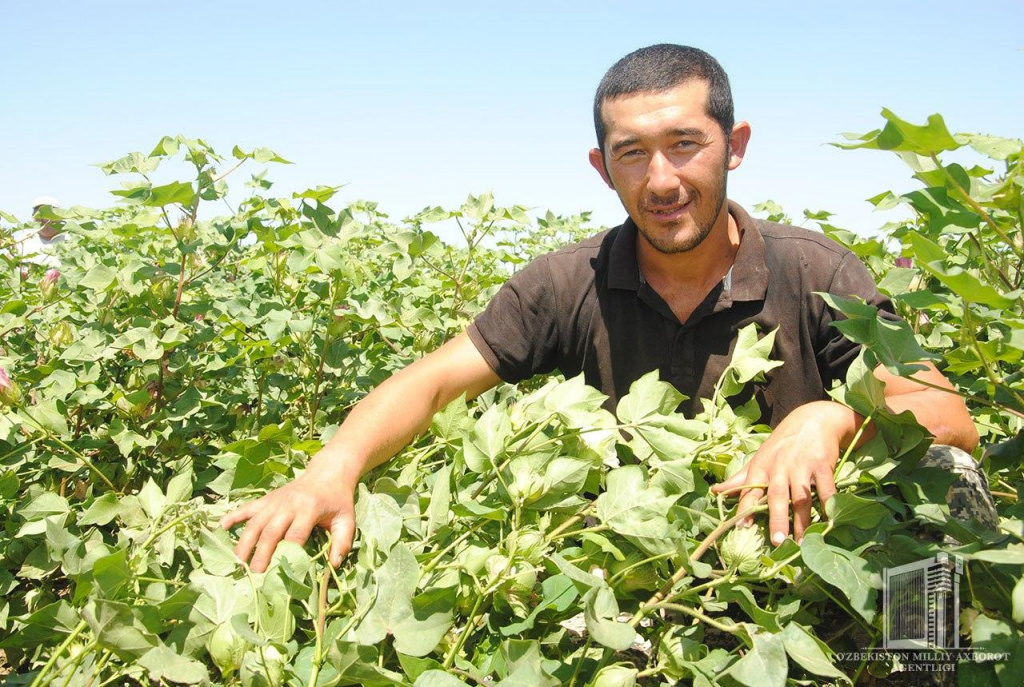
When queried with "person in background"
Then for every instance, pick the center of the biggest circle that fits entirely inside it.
(34, 244)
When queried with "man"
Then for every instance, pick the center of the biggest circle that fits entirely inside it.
(35, 245)
(667, 290)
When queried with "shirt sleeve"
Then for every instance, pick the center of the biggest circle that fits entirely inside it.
(517, 334)
(835, 352)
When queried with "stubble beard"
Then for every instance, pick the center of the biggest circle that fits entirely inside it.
(662, 242)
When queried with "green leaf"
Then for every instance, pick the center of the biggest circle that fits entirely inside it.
(648, 396)
(260, 155)
(932, 138)
(112, 573)
(558, 593)
(763, 666)
(744, 598)
(419, 633)
(437, 678)
(843, 570)
(578, 404)
(152, 499)
(992, 146)
(439, 510)
(174, 192)
(1017, 602)
(166, 664)
(396, 582)
(273, 610)
(860, 512)
(98, 278)
(217, 553)
(484, 446)
(50, 624)
(118, 629)
(750, 360)
(632, 508)
(600, 611)
(523, 665)
(47, 415)
(809, 652)
(44, 505)
(378, 518)
(891, 342)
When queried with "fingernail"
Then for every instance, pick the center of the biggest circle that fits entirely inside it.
(778, 538)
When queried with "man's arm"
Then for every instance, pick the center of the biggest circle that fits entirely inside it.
(804, 448)
(377, 428)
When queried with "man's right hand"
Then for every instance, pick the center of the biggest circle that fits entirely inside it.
(289, 513)
(376, 429)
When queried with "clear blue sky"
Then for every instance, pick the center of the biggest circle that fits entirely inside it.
(420, 103)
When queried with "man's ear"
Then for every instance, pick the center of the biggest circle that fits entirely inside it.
(738, 143)
(597, 162)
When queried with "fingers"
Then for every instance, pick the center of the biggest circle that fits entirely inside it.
(737, 480)
(778, 507)
(290, 514)
(271, 535)
(241, 514)
(800, 492)
(250, 535)
(825, 484)
(300, 529)
(343, 529)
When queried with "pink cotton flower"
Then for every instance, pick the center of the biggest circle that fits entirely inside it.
(48, 284)
(10, 393)
(904, 262)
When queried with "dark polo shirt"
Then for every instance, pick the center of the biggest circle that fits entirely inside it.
(586, 309)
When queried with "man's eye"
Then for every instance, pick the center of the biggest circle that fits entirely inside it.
(686, 145)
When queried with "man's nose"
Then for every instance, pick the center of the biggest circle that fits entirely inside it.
(661, 176)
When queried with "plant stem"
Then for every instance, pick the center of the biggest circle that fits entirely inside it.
(989, 371)
(725, 526)
(321, 621)
(629, 568)
(579, 663)
(464, 635)
(100, 665)
(166, 528)
(596, 528)
(731, 628)
(40, 678)
(78, 661)
(555, 533)
(977, 208)
(85, 461)
(662, 593)
(853, 444)
(315, 401)
(429, 567)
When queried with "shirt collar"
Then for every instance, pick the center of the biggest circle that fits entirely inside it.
(749, 273)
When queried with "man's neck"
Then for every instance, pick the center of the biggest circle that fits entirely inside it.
(694, 270)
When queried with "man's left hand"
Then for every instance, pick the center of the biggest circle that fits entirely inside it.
(802, 451)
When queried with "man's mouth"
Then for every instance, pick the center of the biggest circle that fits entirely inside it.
(668, 212)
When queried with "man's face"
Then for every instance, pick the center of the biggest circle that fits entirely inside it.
(668, 161)
(48, 228)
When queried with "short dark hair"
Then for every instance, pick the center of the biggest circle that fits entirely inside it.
(659, 68)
